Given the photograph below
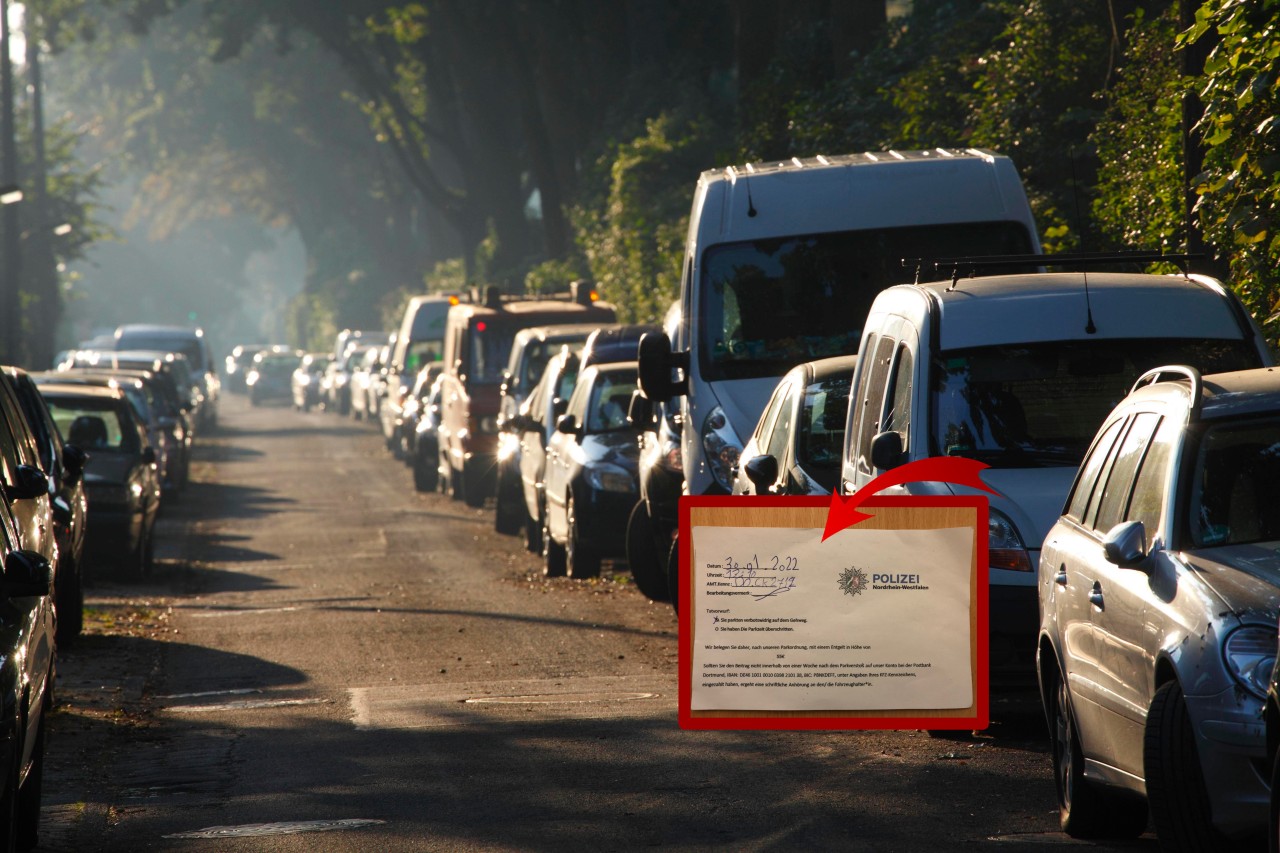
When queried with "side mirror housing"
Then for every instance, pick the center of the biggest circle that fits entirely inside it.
(762, 471)
(1125, 545)
(657, 361)
(640, 412)
(29, 482)
(26, 575)
(558, 405)
(567, 424)
(886, 450)
(73, 459)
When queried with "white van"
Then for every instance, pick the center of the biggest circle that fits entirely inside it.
(783, 260)
(419, 341)
(1018, 372)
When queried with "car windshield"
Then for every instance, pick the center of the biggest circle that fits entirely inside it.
(91, 424)
(1039, 405)
(770, 304)
(1235, 496)
(422, 353)
(610, 400)
(821, 435)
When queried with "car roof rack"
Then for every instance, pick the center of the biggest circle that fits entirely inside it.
(1180, 371)
(1077, 260)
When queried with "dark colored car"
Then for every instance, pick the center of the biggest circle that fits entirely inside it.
(172, 365)
(271, 376)
(191, 343)
(591, 482)
(27, 646)
(120, 475)
(305, 381)
(237, 366)
(24, 483)
(63, 464)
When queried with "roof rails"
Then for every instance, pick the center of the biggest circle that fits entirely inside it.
(580, 292)
(1181, 371)
(1079, 260)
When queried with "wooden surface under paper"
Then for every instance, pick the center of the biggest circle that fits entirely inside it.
(885, 518)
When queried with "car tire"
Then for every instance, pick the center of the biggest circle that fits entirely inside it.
(532, 533)
(29, 796)
(426, 473)
(673, 574)
(581, 561)
(473, 480)
(1176, 790)
(508, 515)
(642, 555)
(1085, 810)
(70, 605)
(553, 554)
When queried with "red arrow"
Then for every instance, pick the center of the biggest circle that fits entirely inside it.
(844, 512)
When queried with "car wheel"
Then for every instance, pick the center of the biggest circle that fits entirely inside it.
(426, 475)
(1176, 791)
(448, 477)
(1084, 810)
(673, 574)
(509, 512)
(581, 561)
(553, 555)
(27, 808)
(473, 480)
(532, 533)
(70, 604)
(642, 556)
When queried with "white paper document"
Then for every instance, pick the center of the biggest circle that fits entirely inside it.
(868, 620)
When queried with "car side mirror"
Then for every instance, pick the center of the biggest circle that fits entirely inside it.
(73, 459)
(656, 363)
(887, 450)
(1125, 545)
(762, 471)
(568, 424)
(26, 575)
(29, 482)
(640, 412)
(558, 405)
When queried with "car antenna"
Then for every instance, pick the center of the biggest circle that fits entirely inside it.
(1089, 327)
(751, 206)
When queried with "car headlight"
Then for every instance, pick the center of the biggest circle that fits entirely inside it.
(722, 447)
(304, 380)
(606, 478)
(1250, 654)
(508, 444)
(1004, 546)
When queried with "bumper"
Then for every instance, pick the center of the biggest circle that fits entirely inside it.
(1232, 742)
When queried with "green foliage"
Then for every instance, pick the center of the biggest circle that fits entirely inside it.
(634, 240)
(1239, 189)
(553, 276)
(1140, 200)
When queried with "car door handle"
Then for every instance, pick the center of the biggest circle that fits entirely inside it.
(1095, 597)
(1061, 577)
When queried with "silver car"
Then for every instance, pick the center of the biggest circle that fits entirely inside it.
(1159, 591)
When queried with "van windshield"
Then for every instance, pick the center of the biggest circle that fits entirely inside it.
(769, 305)
(1039, 405)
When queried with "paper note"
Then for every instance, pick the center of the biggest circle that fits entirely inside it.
(868, 620)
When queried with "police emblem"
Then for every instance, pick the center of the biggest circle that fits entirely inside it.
(853, 581)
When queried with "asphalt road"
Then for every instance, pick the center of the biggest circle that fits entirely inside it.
(325, 659)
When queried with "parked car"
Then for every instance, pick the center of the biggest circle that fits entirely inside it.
(120, 473)
(796, 446)
(27, 645)
(530, 352)
(365, 366)
(1017, 371)
(63, 465)
(22, 480)
(418, 342)
(535, 424)
(236, 366)
(170, 364)
(305, 381)
(426, 444)
(412, 409)
(191, 343)
(477, 348)
(591, 472)
(271, 376)
(1159, 595)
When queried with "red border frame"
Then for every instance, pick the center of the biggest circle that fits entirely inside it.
(982, 705)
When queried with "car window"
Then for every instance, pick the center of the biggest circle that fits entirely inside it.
(93, 424)
(610, 399)
(1079, 499)
(871, 398)
(1235, 497)
(1091, 511)
(577, 405)
(770, 412)
(780, 437)
(898, 406)
(1149, 487)
(826, 407)
(1115, 494)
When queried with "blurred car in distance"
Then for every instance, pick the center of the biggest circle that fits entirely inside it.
(236, 366)
(271, 376)
(190, 342)
(306, 379)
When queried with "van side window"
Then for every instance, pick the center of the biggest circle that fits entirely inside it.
(871, 399)
(898, 405)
